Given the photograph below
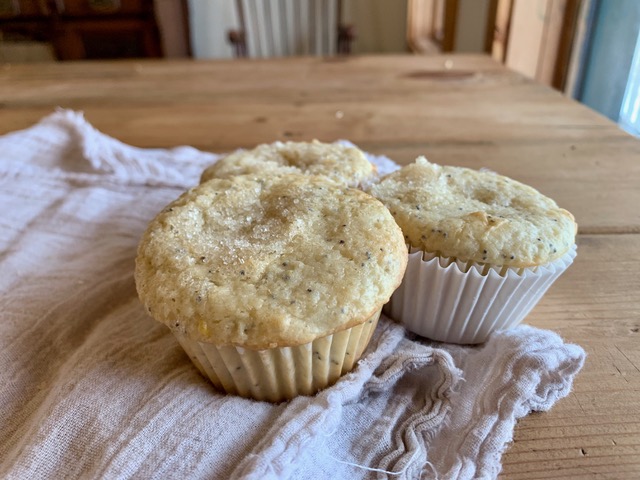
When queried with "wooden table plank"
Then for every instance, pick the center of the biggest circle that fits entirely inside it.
(473, 114)
(595, 431)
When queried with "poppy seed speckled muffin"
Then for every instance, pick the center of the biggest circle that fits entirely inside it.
(272, 285)
(345, 165)
(484, 249)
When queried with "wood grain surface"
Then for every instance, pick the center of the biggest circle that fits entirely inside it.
(459, 110)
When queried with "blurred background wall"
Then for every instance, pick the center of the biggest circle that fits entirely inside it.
(584, 48)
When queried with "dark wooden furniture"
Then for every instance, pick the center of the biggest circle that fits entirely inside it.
(85, 29)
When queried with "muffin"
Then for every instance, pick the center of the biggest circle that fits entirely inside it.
(345, 165)
(274, 285)
(483, 249)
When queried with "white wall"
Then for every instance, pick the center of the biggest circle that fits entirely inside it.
(209, 22)
(380, 26)
(171, 21)
(471, 26)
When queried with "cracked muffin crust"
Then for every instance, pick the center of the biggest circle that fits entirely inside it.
(476, 216)
(265, 262)
(343, 164)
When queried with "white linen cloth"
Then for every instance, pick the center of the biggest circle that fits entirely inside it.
(94, 388)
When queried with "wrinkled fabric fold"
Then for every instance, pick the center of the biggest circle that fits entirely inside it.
(94, 388)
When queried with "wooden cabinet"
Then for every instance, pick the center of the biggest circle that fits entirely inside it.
(22, 8)
(86, 29)
(106, 29)
(96, 8)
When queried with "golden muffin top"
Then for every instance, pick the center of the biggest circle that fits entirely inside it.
(343, 164)
(477, 216)
(261, 262)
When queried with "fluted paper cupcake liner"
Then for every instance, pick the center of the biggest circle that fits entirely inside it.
(457, 302)
(278, 374)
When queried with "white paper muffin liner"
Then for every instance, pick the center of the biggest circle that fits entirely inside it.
(458, 302)
(278, 374)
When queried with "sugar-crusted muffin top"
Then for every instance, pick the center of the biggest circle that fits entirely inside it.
(343, 164)
(477, 216)
(261, 262)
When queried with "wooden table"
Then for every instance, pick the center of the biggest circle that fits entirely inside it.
(460, 110)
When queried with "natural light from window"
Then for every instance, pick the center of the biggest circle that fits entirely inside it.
(630, 110)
